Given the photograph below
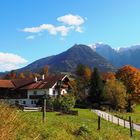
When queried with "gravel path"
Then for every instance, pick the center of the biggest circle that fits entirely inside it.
(115, 119)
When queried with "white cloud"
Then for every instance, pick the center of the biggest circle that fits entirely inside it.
(9, 61)
(53, 30)
(30, 37)
(72, 22)
(70, 19)
(79, 29)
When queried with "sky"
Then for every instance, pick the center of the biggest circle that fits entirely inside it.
(33, 29)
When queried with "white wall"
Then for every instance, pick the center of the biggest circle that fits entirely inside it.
(21, 101)
(32, 102)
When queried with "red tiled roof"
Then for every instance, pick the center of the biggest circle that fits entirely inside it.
(22, 82)
(48, 82)
(6, 84)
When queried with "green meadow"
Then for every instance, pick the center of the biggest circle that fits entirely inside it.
(68, 127)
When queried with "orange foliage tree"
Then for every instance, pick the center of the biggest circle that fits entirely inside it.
(108, 76)
(130, 76)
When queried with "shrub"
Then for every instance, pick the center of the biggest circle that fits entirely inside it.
(57, 103)
(67, 103)
(49, 103)
(63, 103)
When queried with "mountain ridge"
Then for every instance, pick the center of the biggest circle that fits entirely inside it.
(119, 57)
(69, 59)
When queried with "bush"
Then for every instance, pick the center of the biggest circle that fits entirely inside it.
(63, 103)
(67, 103)
(57, 104)
(49, 104)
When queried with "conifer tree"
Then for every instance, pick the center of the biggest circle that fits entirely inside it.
(96, 94)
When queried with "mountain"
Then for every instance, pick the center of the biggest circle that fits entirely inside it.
(134, 47)
(68, 60)
(119, 57)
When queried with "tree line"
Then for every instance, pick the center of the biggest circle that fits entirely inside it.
(118, 91)
(27, 74)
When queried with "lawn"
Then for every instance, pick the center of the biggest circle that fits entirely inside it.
(67, 127)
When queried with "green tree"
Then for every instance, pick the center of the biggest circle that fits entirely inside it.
(116, 94)
(83, 75)
(80, 70)
(96, 93)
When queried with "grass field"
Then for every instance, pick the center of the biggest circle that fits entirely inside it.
(66, 127)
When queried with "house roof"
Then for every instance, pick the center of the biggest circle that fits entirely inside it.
(22, 82)
(48, 82)
(29, 84)
(6, 84)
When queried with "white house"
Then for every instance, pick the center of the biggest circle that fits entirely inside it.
(28, 92)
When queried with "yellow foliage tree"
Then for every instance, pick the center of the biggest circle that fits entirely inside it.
(87, 73)
(21, 75)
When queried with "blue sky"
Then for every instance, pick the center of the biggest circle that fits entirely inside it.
(32, 29)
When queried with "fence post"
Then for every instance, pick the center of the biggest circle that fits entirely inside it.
(112, 118)
(99, 122)
(108, 118)
(130, 123)
(118, 121)
(124, 123)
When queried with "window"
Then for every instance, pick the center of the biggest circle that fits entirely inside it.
(53, 92)
(33, 102)
(24, 102)
(16, 102)
(35, 92)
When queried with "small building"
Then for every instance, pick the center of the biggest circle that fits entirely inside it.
(28, 92)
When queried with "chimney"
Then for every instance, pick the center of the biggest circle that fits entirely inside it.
(35, 79)
(43, 77)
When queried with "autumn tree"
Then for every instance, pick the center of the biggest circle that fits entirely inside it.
(87, 74)
(130, 76)
(10, 75)
(83, 75)
(21, 75)
(31, 75)
(73, 84)
(96, 93)
(116, 94)
(45, 71)
(108, 76)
